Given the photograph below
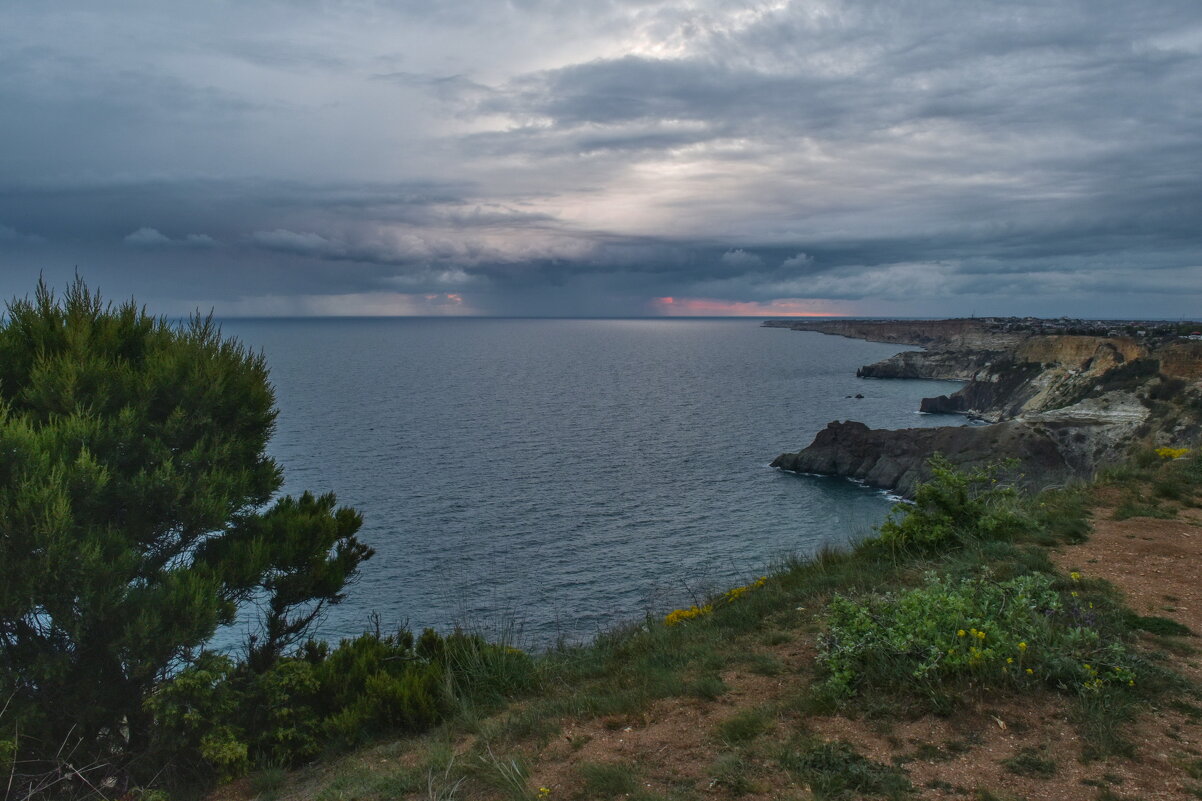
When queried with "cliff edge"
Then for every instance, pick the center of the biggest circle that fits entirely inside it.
(1059, 401)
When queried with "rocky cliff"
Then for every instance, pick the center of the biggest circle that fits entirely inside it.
(1060, 404)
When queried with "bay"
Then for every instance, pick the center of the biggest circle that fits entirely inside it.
(563, 476)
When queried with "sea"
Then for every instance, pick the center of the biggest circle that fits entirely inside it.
(545, 480)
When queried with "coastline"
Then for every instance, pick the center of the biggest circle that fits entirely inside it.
(1061, 398)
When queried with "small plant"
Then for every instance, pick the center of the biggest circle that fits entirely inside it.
(607, 779)
(679, 616)
(729, 771)
(834, 771)
(508, 775)
(1032, 762)
(1171, 453)
(709, 687)
(267, 783)
(744, 726)
(1014, 632)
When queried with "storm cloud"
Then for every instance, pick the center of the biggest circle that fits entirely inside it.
(833, 156)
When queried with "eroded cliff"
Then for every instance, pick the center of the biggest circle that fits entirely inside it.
(1060, 404)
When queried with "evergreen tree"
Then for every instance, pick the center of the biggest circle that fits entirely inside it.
(134, 516)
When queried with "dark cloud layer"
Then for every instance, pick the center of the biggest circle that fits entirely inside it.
(852, 156)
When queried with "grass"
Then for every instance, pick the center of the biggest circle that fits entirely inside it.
(267, 783)
(1034, 763)
(607, 779)
(731, 772)
(835, 771)
(745, 726)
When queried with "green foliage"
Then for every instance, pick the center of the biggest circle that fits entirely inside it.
(745, 726)
(220, 719)
(607, 779)
(195, 714)
(132, 519)
(994, 633)
(953, 507)
(834, 771)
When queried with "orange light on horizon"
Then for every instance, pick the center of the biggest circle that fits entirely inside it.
(713, 307)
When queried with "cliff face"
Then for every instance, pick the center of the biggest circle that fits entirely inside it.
(1060, 404)
(897, 459)
(953, 365)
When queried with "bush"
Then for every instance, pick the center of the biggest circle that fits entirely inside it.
(952, 507)
(1014, 632)
(216, 719)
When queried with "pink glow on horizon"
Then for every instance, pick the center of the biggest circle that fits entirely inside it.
(711, 307)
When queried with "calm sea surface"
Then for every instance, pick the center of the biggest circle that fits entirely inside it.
(568, 475)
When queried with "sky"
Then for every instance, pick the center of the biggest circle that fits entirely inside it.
(606, 157)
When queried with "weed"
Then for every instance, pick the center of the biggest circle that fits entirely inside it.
(607, 779)
(744, 726)
(834, 770)
(508, 775)
(1133, 507)
(765, 665)
(729, 771)
(776, 637)
(443, 785)
(267, 783)
(371, 781)
(1031, 762)
(709, 687)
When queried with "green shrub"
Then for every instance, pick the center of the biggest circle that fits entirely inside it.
(195, 720)
(218, 719)
(1017, 631)
(952, 507)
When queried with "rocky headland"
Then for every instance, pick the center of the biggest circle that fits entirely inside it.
(1061, 397)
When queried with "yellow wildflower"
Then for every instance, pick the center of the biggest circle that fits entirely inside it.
(960, 633)
(1030, 672)
(1022, 646)
(1075, 576)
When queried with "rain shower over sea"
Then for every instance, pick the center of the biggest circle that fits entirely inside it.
(567, 475)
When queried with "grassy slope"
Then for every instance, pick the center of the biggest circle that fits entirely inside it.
(729, 704)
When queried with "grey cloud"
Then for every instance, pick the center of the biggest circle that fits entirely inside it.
(14, 236)
(740, 259)
(152, 238)
(908, 154)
